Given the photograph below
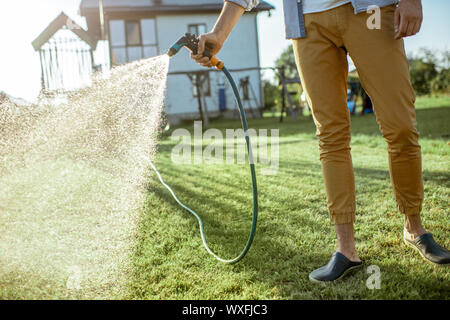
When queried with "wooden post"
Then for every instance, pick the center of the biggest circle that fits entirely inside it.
(102, 19)
(42, 71)
(199, 99)
(203, 116)
(291, 105)
(283, 99)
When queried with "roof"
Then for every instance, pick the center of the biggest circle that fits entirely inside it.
(61, 21)
(161, 6)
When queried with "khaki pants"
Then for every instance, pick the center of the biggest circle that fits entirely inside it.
(384, 73)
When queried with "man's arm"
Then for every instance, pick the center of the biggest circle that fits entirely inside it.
(228, 18)
(408, 18)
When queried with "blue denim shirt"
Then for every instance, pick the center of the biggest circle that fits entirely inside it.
(293, 12)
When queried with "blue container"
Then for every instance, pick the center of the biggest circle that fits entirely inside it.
(222, 99)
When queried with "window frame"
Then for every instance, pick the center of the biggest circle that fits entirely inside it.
(138, 22)
(141, 44)
(196, 25)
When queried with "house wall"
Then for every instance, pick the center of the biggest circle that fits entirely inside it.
(240, 51)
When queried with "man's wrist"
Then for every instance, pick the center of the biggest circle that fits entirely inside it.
(220, 35)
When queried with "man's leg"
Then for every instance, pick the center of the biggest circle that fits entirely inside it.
(346, 241)
(384, 72)
(322, 64)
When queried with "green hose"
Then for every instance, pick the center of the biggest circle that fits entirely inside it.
(253, 174)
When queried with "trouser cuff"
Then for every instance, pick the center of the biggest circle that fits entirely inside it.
(409, 211)
(342, 217)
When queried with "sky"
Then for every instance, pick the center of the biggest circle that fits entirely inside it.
(21, 21)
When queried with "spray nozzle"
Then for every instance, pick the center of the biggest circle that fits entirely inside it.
(191, 41)
(188, 40)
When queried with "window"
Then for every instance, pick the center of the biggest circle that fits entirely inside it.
(133, 33)
(197, 29)
(148, 31)
(132, 40)
(117, 31)
(205, 84)
(149, 41)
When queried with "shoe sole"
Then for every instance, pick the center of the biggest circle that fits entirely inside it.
(423, 257)
(339, 278)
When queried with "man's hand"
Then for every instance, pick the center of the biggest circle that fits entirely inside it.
(408, 18)
(214, 46)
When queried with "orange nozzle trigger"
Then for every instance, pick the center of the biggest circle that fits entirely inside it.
(217, 63)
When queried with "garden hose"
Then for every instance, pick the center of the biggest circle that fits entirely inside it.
(190, 41)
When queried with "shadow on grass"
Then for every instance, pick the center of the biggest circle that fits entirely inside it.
(432, 123)
(282, 255)
(371, 176)
(265, 253)
(286, 267)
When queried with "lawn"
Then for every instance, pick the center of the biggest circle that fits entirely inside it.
(159, 255)
(294, 233)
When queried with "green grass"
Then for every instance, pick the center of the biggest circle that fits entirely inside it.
(58, 217)
(294, 233)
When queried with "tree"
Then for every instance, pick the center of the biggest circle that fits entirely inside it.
(287, 60)
(441, 84)
(272, 96)
(423, 70)
(288, 63)
(429, 74)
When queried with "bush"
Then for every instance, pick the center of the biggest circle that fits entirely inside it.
(429, 73)
(272, 96)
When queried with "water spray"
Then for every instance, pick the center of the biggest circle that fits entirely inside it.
(191, 42)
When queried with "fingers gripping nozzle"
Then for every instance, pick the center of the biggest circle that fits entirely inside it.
(190, 41)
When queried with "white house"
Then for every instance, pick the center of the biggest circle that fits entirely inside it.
(139, 29)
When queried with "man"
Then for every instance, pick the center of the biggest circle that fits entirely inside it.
(323, 32)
